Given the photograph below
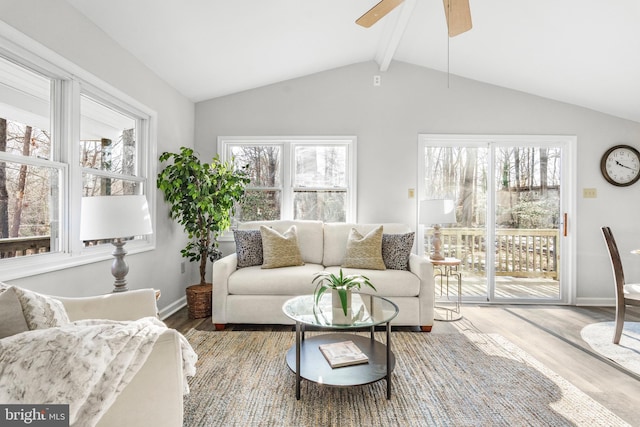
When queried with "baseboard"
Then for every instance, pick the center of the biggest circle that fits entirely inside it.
(172, 308)
(600, 302)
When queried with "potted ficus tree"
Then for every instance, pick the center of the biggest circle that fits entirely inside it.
(202, 197)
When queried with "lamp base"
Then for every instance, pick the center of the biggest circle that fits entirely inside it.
(437, 244)
(119, 267)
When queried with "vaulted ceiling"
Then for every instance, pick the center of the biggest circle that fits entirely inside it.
(583, 52)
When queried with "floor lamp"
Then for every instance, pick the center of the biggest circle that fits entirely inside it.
(117, 218)
(436, 212)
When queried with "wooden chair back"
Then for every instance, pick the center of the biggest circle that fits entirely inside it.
(616, 263)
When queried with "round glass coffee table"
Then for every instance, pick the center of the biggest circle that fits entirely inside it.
(307, 361)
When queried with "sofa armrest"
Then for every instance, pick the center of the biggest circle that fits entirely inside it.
(131, 305)
(422, 267)
(222, 269)
(154, 395)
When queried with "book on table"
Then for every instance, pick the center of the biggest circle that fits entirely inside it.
(344, 353)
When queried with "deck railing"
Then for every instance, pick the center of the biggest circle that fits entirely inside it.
(21, 246)
(519, 252)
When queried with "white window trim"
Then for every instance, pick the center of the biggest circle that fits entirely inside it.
(23, 49)
(288, 143)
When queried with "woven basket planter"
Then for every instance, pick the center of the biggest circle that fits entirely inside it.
(199, 301)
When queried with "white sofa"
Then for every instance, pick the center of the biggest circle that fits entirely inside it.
(155, 395)
(253, 295)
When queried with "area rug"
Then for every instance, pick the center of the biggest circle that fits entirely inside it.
(599, 336)
(461, 379)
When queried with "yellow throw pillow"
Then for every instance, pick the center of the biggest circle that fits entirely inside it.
(364, 251)
(280, 250)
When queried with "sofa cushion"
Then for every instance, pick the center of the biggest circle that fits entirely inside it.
(248, 247)
(364, 251)
(280, 250)
(310, 235)
(11, 318)
(396, 250)
(388, 283)
(280, 281)
(336, 235)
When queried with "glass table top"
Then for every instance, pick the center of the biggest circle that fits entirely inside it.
(366, 311)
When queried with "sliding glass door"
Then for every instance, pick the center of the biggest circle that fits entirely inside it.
(512, 200)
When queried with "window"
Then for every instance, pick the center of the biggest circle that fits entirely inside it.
(29, 178)
(295, 178)
(63, 135)
(107, 150)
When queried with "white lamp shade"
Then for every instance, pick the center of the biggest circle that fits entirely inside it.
(111, 217)
(437, 211)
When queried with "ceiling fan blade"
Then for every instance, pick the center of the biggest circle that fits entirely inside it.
(458, 16)
(377, 12)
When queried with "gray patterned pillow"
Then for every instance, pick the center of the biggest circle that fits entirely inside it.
(396, 250)
(11, 318)
(280, 250)
(248, 247)
(364, 251)
(40, 311)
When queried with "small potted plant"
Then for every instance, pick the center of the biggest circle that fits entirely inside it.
(340, 285)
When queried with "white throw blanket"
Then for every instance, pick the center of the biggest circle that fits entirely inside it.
(85, 364)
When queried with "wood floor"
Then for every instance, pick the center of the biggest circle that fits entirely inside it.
(549, 333)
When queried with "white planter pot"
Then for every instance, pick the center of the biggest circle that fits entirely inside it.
(337, 310)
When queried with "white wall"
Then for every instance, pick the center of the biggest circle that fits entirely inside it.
(58, 26)
(413, 100)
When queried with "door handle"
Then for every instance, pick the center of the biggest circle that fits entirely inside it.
(564, 225)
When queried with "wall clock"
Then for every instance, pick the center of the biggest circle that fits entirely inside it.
(620, 165)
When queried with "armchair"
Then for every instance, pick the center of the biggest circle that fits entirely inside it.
(154, 395)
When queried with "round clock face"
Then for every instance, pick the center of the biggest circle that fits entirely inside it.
(620, 165)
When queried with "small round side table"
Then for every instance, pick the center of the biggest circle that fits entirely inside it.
(446, 269)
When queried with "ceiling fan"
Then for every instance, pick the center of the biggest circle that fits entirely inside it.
(457, 13)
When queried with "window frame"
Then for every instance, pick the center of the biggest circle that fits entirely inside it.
(287, 164)
(69, 81)
(142, 137)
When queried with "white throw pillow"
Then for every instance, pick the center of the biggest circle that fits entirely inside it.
(40, 311)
